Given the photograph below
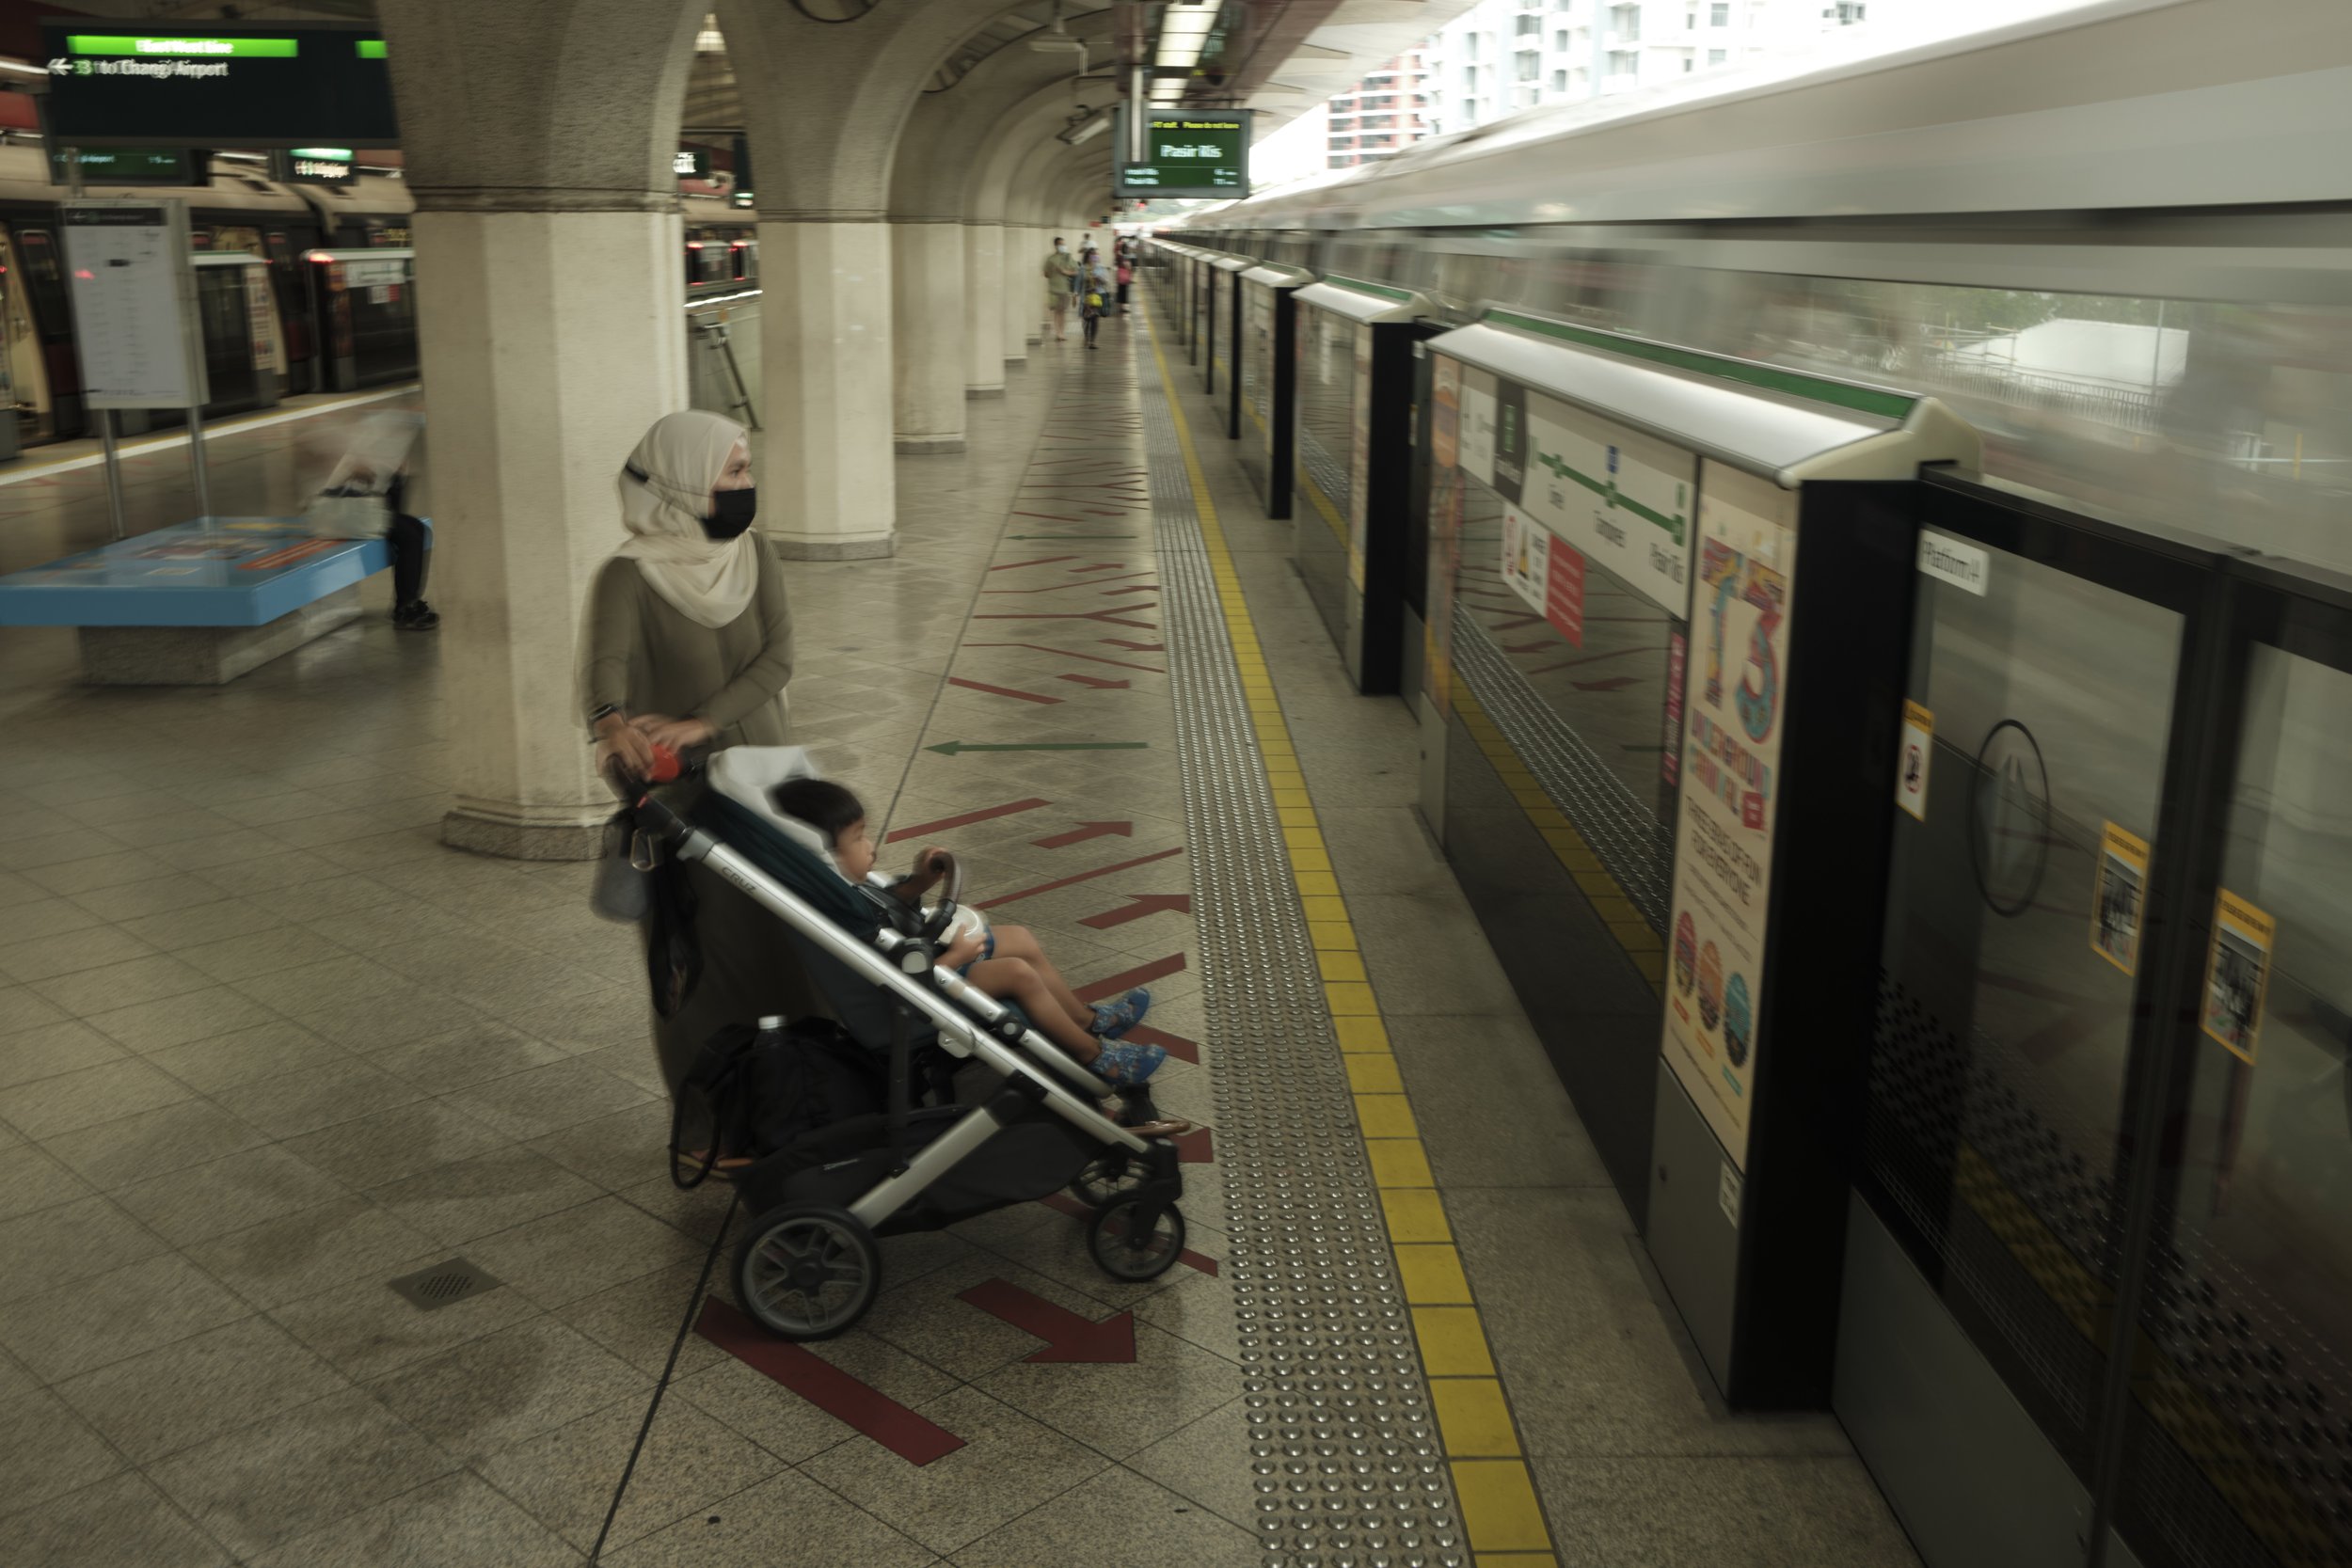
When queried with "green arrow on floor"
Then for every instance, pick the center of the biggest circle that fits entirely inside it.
(951, 748)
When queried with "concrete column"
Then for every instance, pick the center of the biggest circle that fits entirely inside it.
(827, 491)
(983, 308)
(1024, 288)
(926, 323)
(532, 417)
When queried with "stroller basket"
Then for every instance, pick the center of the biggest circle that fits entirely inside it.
(808, 1267)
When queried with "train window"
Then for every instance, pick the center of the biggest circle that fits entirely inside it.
(45, 281)
(740, 254)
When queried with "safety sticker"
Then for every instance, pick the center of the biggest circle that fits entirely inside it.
(2237, 973)
(1919, 751)
(2115, 900)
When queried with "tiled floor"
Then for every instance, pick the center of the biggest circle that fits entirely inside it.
(266, 1045)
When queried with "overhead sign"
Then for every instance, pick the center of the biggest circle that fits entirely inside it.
(217, 86)
(1188, 154)
(321, 165)
(133, 285)
(123, 166)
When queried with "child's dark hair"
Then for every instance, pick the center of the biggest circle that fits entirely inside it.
(823, 805)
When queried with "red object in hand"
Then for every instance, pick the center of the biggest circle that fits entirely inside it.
(665, 765)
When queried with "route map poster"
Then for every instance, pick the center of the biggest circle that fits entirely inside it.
(1734, 702)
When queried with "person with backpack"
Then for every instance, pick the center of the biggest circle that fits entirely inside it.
(1094, 294)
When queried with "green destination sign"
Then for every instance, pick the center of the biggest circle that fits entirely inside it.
(202, 48)
(1188, 154)
(218, 84)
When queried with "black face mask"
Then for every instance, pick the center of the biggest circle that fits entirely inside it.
(732, 511)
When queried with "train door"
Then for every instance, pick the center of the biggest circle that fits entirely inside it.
(300, 341)
(28, 371)
(2106, 1097)
(44, 285)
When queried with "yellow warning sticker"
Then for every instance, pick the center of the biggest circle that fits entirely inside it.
(2116, 895)
(2237, 973)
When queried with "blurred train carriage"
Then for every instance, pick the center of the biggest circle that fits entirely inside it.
(301, 288)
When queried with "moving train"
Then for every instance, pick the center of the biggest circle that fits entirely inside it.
(2119, 242)
(301, 288)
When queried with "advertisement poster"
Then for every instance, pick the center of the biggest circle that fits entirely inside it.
(1445, 566)
(1546, 571)
(1526, 555)
(2237, 974)
(1445, 411)
(1358, 453)
(1478, 425)
(1678, 656)
(1620, 497)
(1734, 702)
(2115, 901)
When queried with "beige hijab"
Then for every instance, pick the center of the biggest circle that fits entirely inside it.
(665, 494)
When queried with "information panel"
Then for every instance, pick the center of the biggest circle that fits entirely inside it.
(123, 166)
(1188, 154)
(133, 286)
(217, 86)
(1734, 700)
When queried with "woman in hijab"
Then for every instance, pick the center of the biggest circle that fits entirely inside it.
(690, 643)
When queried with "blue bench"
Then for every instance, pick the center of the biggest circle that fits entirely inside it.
(199, 603)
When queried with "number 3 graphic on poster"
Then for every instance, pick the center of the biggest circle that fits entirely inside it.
(1759, 697)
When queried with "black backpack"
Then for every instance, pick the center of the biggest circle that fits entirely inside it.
(755, 1092)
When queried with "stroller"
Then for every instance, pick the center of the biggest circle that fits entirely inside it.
(809, 1268)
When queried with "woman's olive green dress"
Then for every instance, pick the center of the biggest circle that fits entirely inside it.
(645, 656)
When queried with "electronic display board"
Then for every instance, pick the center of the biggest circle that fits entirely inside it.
(124, 166)
(217, 86)
(1188, 153)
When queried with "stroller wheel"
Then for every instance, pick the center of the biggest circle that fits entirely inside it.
(1108, 1179)
(807, 1271)
(1125, 1248)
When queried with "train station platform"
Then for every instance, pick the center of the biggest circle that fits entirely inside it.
(268, 1047)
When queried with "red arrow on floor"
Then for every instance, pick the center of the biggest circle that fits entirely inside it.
(1099, 683)
(1175, 1045)
(1068, 1337)
(1136, 647)
(1043, 561)
(999, 691)
(1142, 975)
(1194, 1148)
(828, 1387)
(1139, 905)
(1085, 830)
(900, 835)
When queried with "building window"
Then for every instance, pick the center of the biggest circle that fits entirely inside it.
(1528, 68)
(1846, 12)
(1719, 14)
(1717, 57)
(1528, 26)
(1623, 62)
(1560, 42)
(1687, 62)
(1470, 46)
(1560, 83)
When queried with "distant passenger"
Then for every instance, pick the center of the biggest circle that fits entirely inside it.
(1094, 294)
(1126, 274)
(376, 463)
(1061, 279)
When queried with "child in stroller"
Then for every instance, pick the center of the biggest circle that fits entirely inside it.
(1004, 962)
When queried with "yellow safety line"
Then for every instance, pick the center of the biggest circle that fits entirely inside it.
(1500, 1508)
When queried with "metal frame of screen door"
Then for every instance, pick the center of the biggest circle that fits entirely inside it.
(2226, 602)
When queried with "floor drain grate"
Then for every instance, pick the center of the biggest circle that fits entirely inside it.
(444, 1284)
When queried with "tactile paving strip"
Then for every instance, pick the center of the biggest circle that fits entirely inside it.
(1344, 1447)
